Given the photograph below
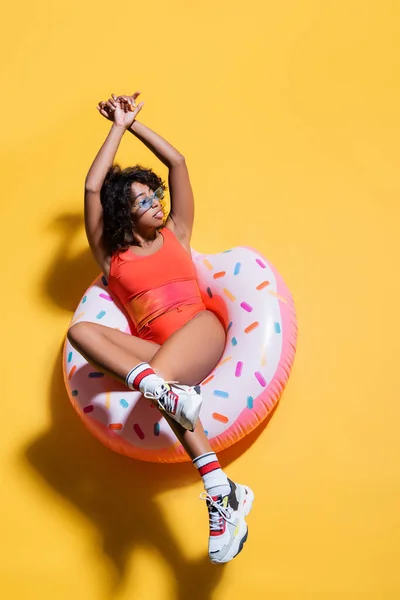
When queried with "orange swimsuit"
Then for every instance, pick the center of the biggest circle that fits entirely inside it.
(172, 300)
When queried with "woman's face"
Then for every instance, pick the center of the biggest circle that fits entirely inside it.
(147, 209)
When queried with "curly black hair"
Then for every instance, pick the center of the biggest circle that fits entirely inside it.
(117, 201)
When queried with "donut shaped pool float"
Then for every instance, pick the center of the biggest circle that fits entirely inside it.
(255, 306)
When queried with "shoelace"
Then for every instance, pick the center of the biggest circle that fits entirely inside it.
(168, 401)
(216, 517)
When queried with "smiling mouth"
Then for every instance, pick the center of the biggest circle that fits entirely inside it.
(159, 214)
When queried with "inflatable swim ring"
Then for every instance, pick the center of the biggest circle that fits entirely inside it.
(256, 307)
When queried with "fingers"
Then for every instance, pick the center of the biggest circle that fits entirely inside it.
(138, 109)
(109, 105)
(133, 98)
(107, 109)
(101, 107)
(128, 102)
(133, 104)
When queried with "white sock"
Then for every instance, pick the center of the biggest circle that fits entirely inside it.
(215, 481)
(143, 378)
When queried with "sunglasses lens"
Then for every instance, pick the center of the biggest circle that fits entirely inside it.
(147, 203)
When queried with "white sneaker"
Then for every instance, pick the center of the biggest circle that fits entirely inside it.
(228, 528)
(181, 402)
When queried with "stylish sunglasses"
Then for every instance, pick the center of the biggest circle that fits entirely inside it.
(146, 203)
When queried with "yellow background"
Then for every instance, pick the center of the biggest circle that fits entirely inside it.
(288, 115)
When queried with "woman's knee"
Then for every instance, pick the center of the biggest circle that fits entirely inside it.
(79, 332)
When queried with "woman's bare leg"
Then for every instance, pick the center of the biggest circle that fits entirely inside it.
(111, 350)
(187, 356)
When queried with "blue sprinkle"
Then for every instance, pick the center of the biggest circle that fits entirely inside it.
(84, 299)
(95, 375)
(277, 327)
(249, 402)
(234, 341)
(123, 403)
(237, 268)
(74, 392)
(221, 394)
(101, 314)
(229, 326)
(69, 357)
(205, 431)
(225, 251)
(104, 280)
(209, 292)
(156, 429)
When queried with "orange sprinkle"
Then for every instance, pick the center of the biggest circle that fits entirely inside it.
(77, 317)
(207, 264)
(219, 274)
(207, 380)
(251, 327)
(116, 426)
(230, 296)
(71, 373)
(277, 296)
(221, 418)
(108, 399)
(224, 361)
(262, 285)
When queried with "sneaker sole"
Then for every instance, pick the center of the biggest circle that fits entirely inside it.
(183, 420)
(188, 419)
(189, 422)
(195, 416)
(248, 505)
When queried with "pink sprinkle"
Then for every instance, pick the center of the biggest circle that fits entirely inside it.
(106, 297)
(260, 378)
(260, 262)
(239, 368)
(246, 306)
(138, 431)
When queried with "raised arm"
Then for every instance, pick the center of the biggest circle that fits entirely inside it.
(182, 202)
(97, 174)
